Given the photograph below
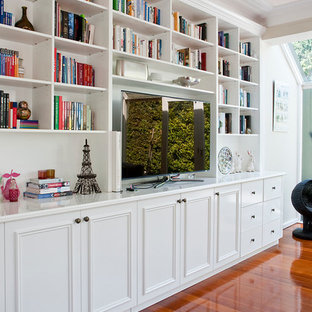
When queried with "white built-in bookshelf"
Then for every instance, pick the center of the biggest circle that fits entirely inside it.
(38, 87)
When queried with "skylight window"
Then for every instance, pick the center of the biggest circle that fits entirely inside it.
(302, 51)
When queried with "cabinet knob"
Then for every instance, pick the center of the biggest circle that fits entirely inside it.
(179, 201)
(184, 200)
(272, 209)
(78, 220)
(253, 217)
(272, 232)
(86, 219)
(217, 194)
(273, 188)
(252, 240)
(253, 193)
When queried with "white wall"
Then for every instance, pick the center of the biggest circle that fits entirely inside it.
(280, 150)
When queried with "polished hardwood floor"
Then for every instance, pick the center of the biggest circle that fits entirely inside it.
(278, 279)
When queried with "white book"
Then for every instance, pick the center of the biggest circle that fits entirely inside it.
(221, 123)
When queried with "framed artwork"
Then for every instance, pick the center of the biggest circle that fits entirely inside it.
(280, 106)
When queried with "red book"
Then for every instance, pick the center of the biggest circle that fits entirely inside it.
(80, 74)
(85, 74)
(89, 75)
(61, 124)
(55, 60)
(204, 61)
(60, 67)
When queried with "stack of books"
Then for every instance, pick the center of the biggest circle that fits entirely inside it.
(223, 39)
(244, 98)
(73, 26)
(139, 9)
(245, 48)
(27, 124)
(47, 188)
(6, 18)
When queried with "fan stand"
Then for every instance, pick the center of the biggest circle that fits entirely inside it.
(306, 231)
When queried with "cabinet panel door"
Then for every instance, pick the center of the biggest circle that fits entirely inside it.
(2, 280)
(196, 223)
(158, 246)
(227, 221)
(108, 251)
(42, 264)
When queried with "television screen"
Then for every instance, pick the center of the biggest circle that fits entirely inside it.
(163, 135)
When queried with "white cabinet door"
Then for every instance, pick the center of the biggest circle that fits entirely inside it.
(42, 257)
(2, 280)
(159, 240)
(227, 222)
(108, 258)
(196, 225)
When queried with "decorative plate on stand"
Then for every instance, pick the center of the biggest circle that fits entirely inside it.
(225, 158)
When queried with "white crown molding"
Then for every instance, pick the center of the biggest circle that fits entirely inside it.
(228, 15)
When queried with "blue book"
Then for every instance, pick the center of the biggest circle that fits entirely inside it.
(70, 25)
(51, 195)
(158, 16)
(63, 69)
(1, 11)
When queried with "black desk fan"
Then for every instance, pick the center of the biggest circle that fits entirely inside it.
(301, 199)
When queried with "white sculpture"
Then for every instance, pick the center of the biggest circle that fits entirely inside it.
(251, 162)
(238, 162)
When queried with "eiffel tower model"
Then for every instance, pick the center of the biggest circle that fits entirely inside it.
(86, 183)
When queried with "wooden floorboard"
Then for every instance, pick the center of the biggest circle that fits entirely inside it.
(276, 280)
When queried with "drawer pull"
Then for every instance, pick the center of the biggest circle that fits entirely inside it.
(272, 232)
(253, 193)
(252, 240)
(253, 217)
(272, 210)
(217, 194)
(86, 219)
(179, 201)
(184, 200)
(78, 220)
(273, 188)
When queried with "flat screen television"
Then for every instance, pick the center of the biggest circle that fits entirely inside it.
(164, 135)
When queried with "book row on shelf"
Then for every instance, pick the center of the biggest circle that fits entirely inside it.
(190, 58)
(245, 73)
(245, 48)
(245, 124)
(72, 115)
(126, 40)
(140, 9)
(10, 63)
(223, 94)
(47, 188)
(223, 39)
(225, 123)
(223, 67)
(182, 25)
(244, 98)
(6, 18)
(68, 70)
(73, 26)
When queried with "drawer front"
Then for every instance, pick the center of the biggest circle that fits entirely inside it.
(272, 188)
(251, 216)
(252, 193)
(271, 232)
(251, 240)
(271, 210)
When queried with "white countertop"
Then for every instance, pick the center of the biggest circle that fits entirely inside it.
(28, 208)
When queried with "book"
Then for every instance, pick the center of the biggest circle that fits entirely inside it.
(27, 124)
(34, 185)
(45, 181)
(71, 23)
(47, 190)
(50, 195)
(56, 112)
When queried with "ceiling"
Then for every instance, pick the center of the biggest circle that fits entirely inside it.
(280, 2)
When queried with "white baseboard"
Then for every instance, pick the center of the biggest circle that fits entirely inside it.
(291, 222)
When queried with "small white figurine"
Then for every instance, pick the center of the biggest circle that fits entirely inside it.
(238, 162)
(251, 162)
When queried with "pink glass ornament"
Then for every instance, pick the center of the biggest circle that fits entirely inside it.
(10, 184)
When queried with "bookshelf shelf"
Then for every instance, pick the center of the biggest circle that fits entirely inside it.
(228, 106)
(246, 59)
(245, 83)
(77, 47)
(155, 85)
(77, 88)
(31, 131)
(23, 82)
(163, 65)
(237, 135)
(28, 37)
(138, 25)
(188, 41)
(89, 9)
(226, 51)
(248, 109)
(223, 78)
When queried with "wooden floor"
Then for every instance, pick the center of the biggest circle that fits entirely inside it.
(278, 279)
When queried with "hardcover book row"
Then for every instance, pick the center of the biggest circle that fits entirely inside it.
(126, 40)
(191, 58)
(73, 26)
(223, 94)
(9, 60)
(68, 70)
(72, 115)
(6, 18)
(138, 8)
